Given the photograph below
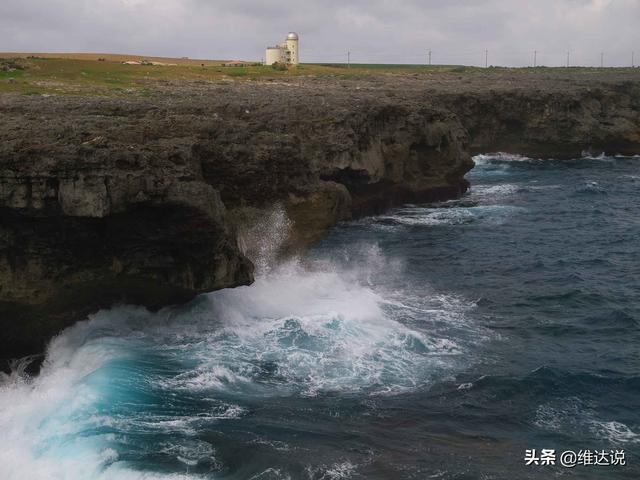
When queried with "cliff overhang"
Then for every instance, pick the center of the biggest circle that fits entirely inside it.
(143, 200)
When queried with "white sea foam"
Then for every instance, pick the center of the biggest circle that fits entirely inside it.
(189, 452)
(601, 156)
(494, 191)
(338, 471)
(577, 417)
(271, 474)
(430, 216)
(484, 159)
(42, 420)
(296, 331)
(306, 332)
(275, 444)
(615, 432)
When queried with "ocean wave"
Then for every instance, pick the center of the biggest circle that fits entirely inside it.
(499, 157)
(594, 155)
(591, 187)
(544, 380)
(271, 474)
(614, 432)
(338, 471)
(307, 333)
(501, 190)
(454, 215)
(612, 319)
(504, 165)
(190, 452)
(495, 193)
(116, 382)
(602, 157)
(579, 418)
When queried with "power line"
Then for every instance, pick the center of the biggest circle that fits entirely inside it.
(572, 58)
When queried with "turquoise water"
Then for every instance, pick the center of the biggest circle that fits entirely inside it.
(435, 341)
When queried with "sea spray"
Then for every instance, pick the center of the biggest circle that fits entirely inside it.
(262, 234)
(127, 382)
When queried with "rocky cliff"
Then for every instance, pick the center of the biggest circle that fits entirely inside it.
(143, 199)
(548, 117)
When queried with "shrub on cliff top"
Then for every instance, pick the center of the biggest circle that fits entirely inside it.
(11, 65)
(280, 67)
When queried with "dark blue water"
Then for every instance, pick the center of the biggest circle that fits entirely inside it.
(436, 341)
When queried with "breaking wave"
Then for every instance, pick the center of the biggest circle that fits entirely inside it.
(580, 418)
(500, 157)
(128, 382)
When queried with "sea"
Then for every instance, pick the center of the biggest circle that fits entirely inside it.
(454, 340)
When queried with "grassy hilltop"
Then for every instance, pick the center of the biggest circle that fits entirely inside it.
(85, 74)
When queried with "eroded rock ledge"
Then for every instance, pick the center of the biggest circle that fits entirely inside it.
(136, 199)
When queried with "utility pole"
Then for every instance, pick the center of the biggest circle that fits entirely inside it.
(535, 58)
(567, 58)
(349, 59)
(429, 57)
(601, 59)
(486, 58)
(633, 59)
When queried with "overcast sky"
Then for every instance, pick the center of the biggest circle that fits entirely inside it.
(380, 31)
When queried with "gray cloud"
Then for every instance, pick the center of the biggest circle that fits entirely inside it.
(381, 31)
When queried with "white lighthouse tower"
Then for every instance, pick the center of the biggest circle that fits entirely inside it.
(292, 47)
(288, 52)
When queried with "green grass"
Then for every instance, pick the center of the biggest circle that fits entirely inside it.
(236, 71)
(14, 74)
(66, 76)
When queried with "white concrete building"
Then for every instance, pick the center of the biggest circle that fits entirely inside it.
(287, 52)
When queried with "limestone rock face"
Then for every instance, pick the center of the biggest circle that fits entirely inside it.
(153, 200)
(84, 225)
(548, 117)
(335, 155)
